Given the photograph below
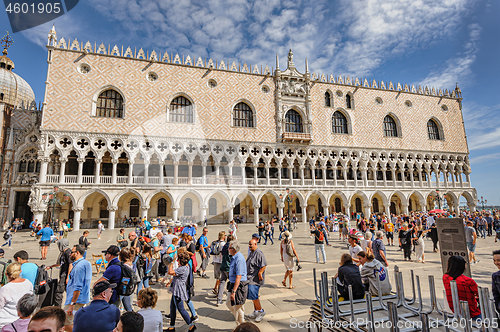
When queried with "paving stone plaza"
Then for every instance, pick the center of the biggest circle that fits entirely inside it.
(285, 308)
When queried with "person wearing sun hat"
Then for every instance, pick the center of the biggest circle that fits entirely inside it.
(99, 315)
(287, 259)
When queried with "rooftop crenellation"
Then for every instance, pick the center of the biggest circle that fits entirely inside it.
(166, 57)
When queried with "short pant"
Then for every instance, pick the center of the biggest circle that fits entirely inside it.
(253, 292)
(389, 235)
(69, 319)
(217, 273)
(472, 247)
(44, 243)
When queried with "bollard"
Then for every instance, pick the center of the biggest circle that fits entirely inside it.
(351, 303)
(465, 316)
(455, 299)
(424, 318)
(315, 287)
(393, 316)
(369, 311)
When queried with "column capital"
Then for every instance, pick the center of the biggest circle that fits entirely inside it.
(130, 162)
(98, 160)
(281, 206)
(112, 208)
(80, 160)
(144, 207)
(203, 207)
(190, 163)
(114, 161)
(77, 208)
(63, 160)
(176, 163)
(257, 206)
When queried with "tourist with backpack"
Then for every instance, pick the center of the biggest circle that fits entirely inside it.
(64, 263)
(78, 287)
(3, 267)
(215, 249)
(113, 273)
(319, 243)
(7, 236)
(203, 248)
(29, 270)
(129, 280)
(144, 265)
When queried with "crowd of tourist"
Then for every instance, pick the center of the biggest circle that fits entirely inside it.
(147, 256)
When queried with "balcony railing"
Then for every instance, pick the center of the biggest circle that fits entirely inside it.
(121, 179)
(88, 179)
(70, 178)
(106, 179)
(52, 178)
(297, 137)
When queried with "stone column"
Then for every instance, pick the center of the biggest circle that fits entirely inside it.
(80, 170)
(243, 175)
(146, 173)
(144, 211)
(97, 173)
(405, 208)
(366, 210)
(453, 180)
(428, 179)
(190, 173)
(364, 175)
(393, 173)
(304, 214)
(76, 217)
(461, 180)
(203, 212)
(420, 177)
(384, 174)
(313, 175)
(457, 209)
(302, 175)
(113, 170)
(38, 215)
(111, 218)
(335, 169)
(290, 175)
(130, 172)
(43, 169)
(280, 210)
(204, 173)
(176, 172)
(355, 176)
(325, 210)
(255, 173)
(445, 173)
(467, 177)
(279, 175)
(437, 179)
(323, 173)
(388, 209)
(267, 175)
(162, 169)
(256, 214)
(175, 212)
(62, 169)
(230, 214)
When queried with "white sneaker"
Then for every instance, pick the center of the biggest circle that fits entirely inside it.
(260, 316)
(253, 315)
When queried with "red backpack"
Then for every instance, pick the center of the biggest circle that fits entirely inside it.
(321, 236)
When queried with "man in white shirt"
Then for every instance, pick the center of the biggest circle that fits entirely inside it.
(354, 247)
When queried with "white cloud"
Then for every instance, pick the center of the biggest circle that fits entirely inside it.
(481, 133)
(485, 158)
(458, 69)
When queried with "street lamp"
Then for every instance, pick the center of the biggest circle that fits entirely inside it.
(51, 199)
(482, 201)
(288, 199)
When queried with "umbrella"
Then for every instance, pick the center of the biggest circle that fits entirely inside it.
(437, 211)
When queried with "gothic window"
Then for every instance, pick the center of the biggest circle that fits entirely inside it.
(348, 101)
(375, 205)
(433, 130)
(212, 207)
(103, 206)
(328, 99)
(162, 207)
(134, 208)
(242, 115)
(338, 205)
(339, 123)
(390, 127)
(110, 104)
(357, 203)
(298, 208)
(188, 207)
(293, 122)
(181, 110)
(29, 163)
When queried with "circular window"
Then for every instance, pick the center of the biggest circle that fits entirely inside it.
(212, 84)
(83, 68)
(339, 93)
(408, 103)
(265, 89)
(444, 108)
(378, 101)
(152, 76)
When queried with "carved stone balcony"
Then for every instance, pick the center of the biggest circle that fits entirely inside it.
(297, 137)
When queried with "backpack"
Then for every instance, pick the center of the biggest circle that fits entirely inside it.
(321, 236)
(198, 244)
(190, 283)
(3, 278)
(128, 280)
(215, 248)
(42, 276)
(289, 249)
(6, 235)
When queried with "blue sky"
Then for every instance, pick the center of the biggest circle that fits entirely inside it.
(425, 42)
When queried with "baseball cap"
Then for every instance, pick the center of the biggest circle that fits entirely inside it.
(2, 251)
(101, 286)
(256, 235)
(112, 250)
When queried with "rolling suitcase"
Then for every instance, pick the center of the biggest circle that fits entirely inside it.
(48, 299)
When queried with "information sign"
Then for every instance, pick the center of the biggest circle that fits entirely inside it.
(451, 237)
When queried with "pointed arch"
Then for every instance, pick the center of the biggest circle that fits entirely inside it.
(157, 191)
(248, 193)
(217, 191)
(183, 193)
(385, 200)
(320, 194)
(402, 197)
(81, 199)
(276, 196)
(116, 199)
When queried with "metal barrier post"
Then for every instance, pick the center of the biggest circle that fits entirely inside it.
(351, 303)
(455, 299)
(393, 316)
(424, 318)
(465, 313)
(369, 310)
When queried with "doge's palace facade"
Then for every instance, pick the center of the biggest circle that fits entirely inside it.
(126, 132)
